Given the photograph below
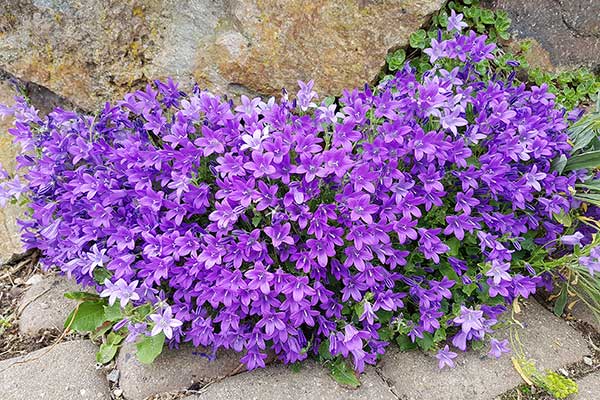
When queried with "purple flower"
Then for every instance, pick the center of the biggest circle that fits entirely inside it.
(120, 290)
(446, 357)
(361, 208)
(95, 258)
(279, 234)
(164, 322)
(499, 272)
(470, 320)
(498, 347)
(455, 22)
(572, 240)
(268, 225)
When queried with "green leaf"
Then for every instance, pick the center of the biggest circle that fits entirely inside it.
(142, 311)
(343, 375)
(564, 219)
(448, 271)
(101, 274)
(82, 296)
(404, 343)
(417, 39)
(324, 352)
(477, 344)
(469, 289)
(256, 220)
(589, 198)
(296, 367)
(561, 302)
(454, 245)
(396, 60)
(426, 343)
(359, 308)
(101, 330)
(106, 353)
(150, 347)
(589, 160)
(113, 313)
(488, 17)
(439, 335)
(329, 100)
(86, 317)
(559, 164)
(114, 338)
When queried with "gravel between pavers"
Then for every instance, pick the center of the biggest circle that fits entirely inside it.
(65, 373)
(549, 340)
(279, 382)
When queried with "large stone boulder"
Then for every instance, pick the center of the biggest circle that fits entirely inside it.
(91, 51)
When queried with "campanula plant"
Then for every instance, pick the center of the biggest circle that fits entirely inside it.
(402, 213)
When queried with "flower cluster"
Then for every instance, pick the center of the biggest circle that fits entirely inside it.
(294, 226)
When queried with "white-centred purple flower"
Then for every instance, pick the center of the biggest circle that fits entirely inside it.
(120, 290)
(446, 357)
(498, 347)
(455, 22)
(164, 322)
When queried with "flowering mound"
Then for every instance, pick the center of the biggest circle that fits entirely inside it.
(402, 213)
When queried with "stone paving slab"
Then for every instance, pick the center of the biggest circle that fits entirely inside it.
(174, 370)
(589, 387)
(547, 339)
(581, 311)
(279, 382)
(65, 373)
(44, 305)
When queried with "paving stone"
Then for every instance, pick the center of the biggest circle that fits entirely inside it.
(66, 373)
(589, 387)
(548, 340)
(44, 306)
(173, 370)
(279, 382)
(582, 312)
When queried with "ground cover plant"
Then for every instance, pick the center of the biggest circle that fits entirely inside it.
(413, 212)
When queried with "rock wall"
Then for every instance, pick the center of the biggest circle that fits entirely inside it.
(9, 230)
(90, 51)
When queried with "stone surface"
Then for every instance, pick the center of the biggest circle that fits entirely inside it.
(10, 241)
(91, 51)
(589, 387)
(66, 373)
(43, 306)
(568, 30)
(279, 382)
(583, 312)
(548, 340)
(173, 370)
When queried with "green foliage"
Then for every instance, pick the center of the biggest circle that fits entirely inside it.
(86, 317)
(343, 374)
(555, 384)
(571, 88)
(95, 316)
(150, 347)
(395, 61)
